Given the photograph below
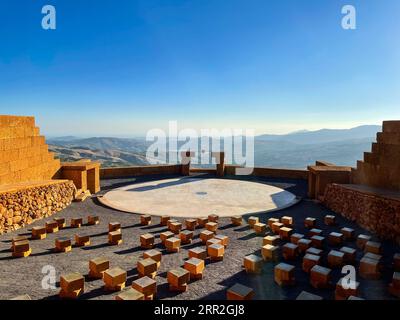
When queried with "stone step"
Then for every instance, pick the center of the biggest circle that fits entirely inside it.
(391, 126)
(388, 138)
(372, 158)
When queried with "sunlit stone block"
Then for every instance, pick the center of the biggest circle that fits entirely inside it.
(114, 279)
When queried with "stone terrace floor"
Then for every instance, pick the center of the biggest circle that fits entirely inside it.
(24, 275)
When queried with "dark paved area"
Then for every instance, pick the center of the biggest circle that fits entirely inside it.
(24, 275)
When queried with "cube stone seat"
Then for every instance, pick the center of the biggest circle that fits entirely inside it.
(213, 218)
(284, 274)
(216, 252)
(93, 220)
(330, 220)
(260, 228)
(147, 241)
(195, 267)
(252, 221)
(72, 285)
(17, 239)
(304, 244)
(253, 264)
(146, 286)
(271, 221)
(348, 233)
(285, 233)
(147, 268)
(198, 253)
(175, 227)
(270, 253)
(224, 239)
(213, 241)
(97, 267)
(206, 235)
(114, 279)
(362, 239)
(237, 220)
(373, 247)
(201, 222)
(165, 235)
(21, 249)
(51, 227)
(345, 289)
(287, 221)
(63, 244)
(212, 226)
(320, 277)
(394, 286)
(272, 240)
(369, 268)
(309, 261)
(314, 251)
(317, 241)
(335, 258)
(115, 238)
(76, 222)
(178, 279)
(153, 254)
(239, 292)
(145, 220)
(290, 251)
(61, 223)
(349, 254)
(295, 237)
(304, 295)
(164, 220)
(114, 226)
(276, 227)
(82, 240)
(171, 221)
(186, 236)
(39, 233)
(315, 232)
(191, 224)
(310, 222)
(173, 244)
(130, 294)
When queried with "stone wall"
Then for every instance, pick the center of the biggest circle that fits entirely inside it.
(126, 172)
(21, 205)
(374, 212)
(24, 154)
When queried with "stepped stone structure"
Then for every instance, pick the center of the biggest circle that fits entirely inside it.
(381, 166)
(372, 195)
(27, 168)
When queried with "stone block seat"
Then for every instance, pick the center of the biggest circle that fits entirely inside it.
(130, 295)
(61, 222)
(146, 286)
(223, 238)
(165, 235)
(237, 220)
(17, 239)
(114, 226)
(216, 252)
(186, 236)
(51, 227)
(76, 222)
(260, 228)
(114, 279)
(21, 249)
(252, 221)
(63, 244)
(271, 240)
(147, 267)
(284, 274)
(173, 244)
(198, 253)
(195, 267)
(394, 286)
(93, 220)
(201, 222)
(253, 264)
(320, 277)
(145, 220)
(178, 279)
(147, 241)
(39, 233)
(239, 292)
(175, 227)
(206, 235)
(212, 226)
(72, 285)
(191, 224)
(97, 267)
(115, 238)
(345, 290)
(82, 240)
(153, 254)
(164, 220)
(309, 261)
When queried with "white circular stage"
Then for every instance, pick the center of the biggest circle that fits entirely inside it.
(196, 197)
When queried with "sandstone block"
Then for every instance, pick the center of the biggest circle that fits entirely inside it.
(114, 279)
(82, 240)
(205, 236)
(198, 253)
(284, 274)
(97, 267)
(145, 220)
(147, 267)
(114, 226)
(173, 244)
(186, 236)
(178, 279)
(195, 267)
(72, 285)
(115, 238)
(216, 252)
(320, 277)
(63, 244)
(253, 263)
(147, 241)
(130, 294)
(239, 292)
(191, 224)
(147, 286)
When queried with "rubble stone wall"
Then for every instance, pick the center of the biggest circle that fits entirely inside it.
(379, 215)
(24, 205)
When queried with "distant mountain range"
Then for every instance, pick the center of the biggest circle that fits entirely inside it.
(294, 150)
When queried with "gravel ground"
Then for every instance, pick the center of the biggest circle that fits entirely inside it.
(24, 275)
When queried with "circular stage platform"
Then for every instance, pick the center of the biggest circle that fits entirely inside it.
(197, 197)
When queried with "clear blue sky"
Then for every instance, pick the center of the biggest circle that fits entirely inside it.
(123, 67)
